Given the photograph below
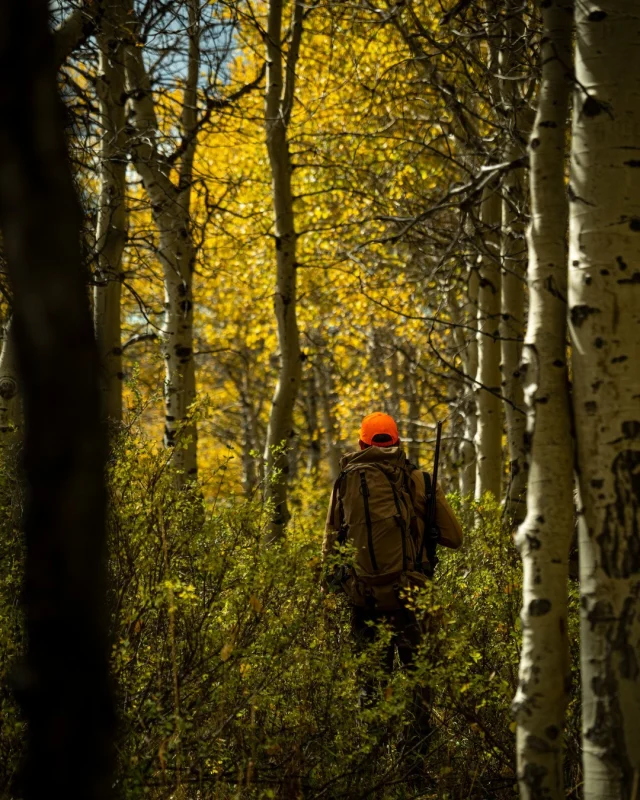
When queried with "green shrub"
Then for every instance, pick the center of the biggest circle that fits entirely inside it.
(237, 677)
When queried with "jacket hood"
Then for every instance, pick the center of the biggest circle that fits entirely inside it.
(371, 455)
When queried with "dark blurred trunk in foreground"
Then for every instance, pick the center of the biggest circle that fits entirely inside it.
(63, 684)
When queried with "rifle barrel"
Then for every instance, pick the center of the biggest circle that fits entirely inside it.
(434, 476)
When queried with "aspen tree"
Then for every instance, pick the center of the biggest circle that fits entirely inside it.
(544, 537)
(279, 99)
(513, 256)
(111, 228)
(314, 453)
(488, 438)
(413, 405)
(467, 345)
(604, 322)
(64, 673)
(325, 385)
(170, 205)
(8, 386)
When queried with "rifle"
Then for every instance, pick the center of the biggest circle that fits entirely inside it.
(431, 533)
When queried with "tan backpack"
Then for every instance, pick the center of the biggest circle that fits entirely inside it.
(375, 515)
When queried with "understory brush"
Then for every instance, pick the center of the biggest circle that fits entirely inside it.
(236, 677)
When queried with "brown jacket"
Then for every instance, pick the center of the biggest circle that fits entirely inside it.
(450, 530)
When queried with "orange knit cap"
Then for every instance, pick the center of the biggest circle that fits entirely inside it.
(379, 425)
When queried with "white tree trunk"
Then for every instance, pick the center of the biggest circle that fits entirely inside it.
(9, 404)
(488, 439)
(280, 93)
(315, 451)
(514, 256)
(512, 331)
(411, 393)
(324, 382)
(604, 313)
(171, 213)
(468, 344)
(111, 229)
(544, 538)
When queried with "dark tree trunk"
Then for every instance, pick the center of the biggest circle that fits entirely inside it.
(63, 684)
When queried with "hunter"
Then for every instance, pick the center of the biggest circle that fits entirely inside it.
(379, 505)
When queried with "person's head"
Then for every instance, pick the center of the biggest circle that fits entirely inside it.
(378, 430)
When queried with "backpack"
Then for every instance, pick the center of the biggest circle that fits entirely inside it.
(376, 517)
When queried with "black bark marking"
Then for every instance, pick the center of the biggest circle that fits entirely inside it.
(533, 542)
(535, 143)
(558, 363)
(580, 313)
(632, 163)
(634, 224)
(619, 359)
(540, 607)
(182, 351)
(598, 342)
(619, 537)
(631, 429)
(538, 745)
(597, 16)
(548, 124)
(534, 777)
(621, 263)
(552, 732)
(635, 278)
(592, 107)
(591, 407)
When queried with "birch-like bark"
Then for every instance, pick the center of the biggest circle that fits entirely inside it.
(604, 314)
(249, 473)
(171, 213)
(413, 406)
(111, 229)
(280, 93)
(544, 537)
(513, 257)
(394, 382)
(488, 439)
(468, 348)
(9, 405)
(324, 382)
(315, 451)
(511, 332)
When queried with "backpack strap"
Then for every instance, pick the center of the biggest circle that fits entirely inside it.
(431, 533)
(367, 516)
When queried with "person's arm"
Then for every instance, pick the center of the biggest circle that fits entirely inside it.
(447, 522)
